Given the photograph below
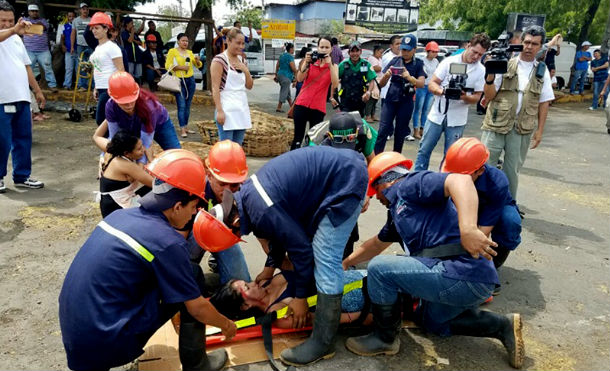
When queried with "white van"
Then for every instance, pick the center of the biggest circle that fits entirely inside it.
(563, 63)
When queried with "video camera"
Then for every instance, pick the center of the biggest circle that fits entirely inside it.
(457, 84)
(499, 56)
(315, 56)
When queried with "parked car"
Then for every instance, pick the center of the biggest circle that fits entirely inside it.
(563, 63)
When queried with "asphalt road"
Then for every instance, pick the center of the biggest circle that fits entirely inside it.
(557, 279)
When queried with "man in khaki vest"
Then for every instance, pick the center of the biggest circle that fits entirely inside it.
(518, 106)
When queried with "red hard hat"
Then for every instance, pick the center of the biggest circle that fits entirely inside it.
(227, 162)
(432, 46)
(383, 162)
(102, 19)
(151, 37)
(211, 234)
(465, 156)
(123, 88)
(180, 168)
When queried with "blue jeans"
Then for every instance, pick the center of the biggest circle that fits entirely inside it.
(432, 134)
(423, 102)
(165, 136)
(100, 111)
(597, 89)
(236, 136)
(82, 82)
(442, 298)
(231, 262)
(328, 245)
(16, 139)
(69, 66)
(184, 100)
(579, 76)
(507, 231)
(44, 59)
(401, 111)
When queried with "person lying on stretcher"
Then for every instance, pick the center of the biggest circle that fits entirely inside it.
(237, 297)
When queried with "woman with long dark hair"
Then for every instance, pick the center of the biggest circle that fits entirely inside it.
(138, 112)
(317, 74)
(122, 180)
(182, 60)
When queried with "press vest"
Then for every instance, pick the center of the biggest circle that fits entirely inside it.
(501, 115)
(353, 85)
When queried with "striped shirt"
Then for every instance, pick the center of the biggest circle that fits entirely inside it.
(37, 43)
(220, 58)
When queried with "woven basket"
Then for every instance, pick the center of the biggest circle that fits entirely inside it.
(269, 136)
(200, 149)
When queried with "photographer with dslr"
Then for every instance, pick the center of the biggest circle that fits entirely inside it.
(457, 82)
(317, 73)
(405, 73)
(518, 106)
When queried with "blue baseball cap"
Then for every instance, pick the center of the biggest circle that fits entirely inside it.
(408, 42)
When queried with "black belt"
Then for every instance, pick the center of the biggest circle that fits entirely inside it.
(442, 251)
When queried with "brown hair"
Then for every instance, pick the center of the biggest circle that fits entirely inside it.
(481, 39)
(233, 32)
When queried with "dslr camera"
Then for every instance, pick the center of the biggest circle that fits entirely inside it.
(315, 56)
(499, 56)
(457, 84)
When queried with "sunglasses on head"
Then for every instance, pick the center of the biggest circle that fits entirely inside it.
(338, 139)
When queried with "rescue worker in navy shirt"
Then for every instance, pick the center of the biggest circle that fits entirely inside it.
(133, 274)
(435, 215)
(406, 73)
(305, 203)
(498, 212)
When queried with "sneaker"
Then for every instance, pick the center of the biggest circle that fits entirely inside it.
(2, 186)
(591, 109)
(213, 264)
(410, 138)
(30, 183)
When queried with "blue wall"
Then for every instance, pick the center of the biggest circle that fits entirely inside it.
(314, 10)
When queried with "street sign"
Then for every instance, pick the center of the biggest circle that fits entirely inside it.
(278, 29)
(381, 16)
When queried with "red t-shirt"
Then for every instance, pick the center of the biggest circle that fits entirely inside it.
(314, 96)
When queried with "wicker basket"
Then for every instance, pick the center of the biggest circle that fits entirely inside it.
(269, 136)
(200, 149)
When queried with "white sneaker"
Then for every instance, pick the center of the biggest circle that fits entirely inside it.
(410, 138)
(591, 109)
(2, 186)
(30, 183)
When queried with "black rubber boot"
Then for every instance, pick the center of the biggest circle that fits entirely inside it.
(482, 323)
(384, 338)
(192, 349)
(321, 343)
(501, 257)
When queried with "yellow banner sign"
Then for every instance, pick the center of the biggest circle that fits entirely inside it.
(278, 29)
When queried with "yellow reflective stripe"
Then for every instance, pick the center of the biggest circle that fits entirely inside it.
(128, 240)
(311, 301)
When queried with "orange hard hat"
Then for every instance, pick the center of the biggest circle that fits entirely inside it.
(101, 19)
(383, 162)
(151, 37)
(211, 234)
(123, 88)
(180, 168)
(227, 162)
(432, 46)
(465, 156)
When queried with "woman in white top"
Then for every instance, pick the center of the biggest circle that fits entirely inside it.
(106, 60)
(230, 79)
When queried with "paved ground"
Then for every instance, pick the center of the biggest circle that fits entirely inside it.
(558, 278)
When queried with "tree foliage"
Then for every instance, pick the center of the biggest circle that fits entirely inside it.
(567, 17)
(247, 14)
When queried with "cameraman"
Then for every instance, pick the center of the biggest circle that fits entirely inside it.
(518, 105)
(406, 73)
(450, 116)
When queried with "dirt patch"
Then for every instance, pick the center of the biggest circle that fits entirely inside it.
(58, 226)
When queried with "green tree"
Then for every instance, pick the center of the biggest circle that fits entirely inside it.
(165, 27)
(248, 14)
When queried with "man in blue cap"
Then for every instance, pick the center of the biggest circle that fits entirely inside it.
(406, 73)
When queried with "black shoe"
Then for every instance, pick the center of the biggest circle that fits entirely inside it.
(608, 131)
(192, 349)
(321, 343)
(213, 264)
(30, 183)
(482, 323)
(384, 338)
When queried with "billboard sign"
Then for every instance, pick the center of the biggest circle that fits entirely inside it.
(278, 29)
(381, 16)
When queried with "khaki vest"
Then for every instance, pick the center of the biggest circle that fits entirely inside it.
(501, 116)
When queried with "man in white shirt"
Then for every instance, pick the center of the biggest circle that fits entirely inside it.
(15, 115)
(518, 106)
(451, 116)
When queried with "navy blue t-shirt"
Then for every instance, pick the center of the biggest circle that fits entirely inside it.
(134, 53)
(425, 218)
(599, 75)
(303, 186)
(113, 299)
(492, 188)
(396, 89)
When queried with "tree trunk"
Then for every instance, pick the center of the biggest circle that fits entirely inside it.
(209, 38)
(584, 31)
(606, 43)
(192, 28)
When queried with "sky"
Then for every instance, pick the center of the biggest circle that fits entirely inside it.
(219, 9)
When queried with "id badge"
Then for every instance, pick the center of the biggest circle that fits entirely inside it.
(364, 69)
(10, 108)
